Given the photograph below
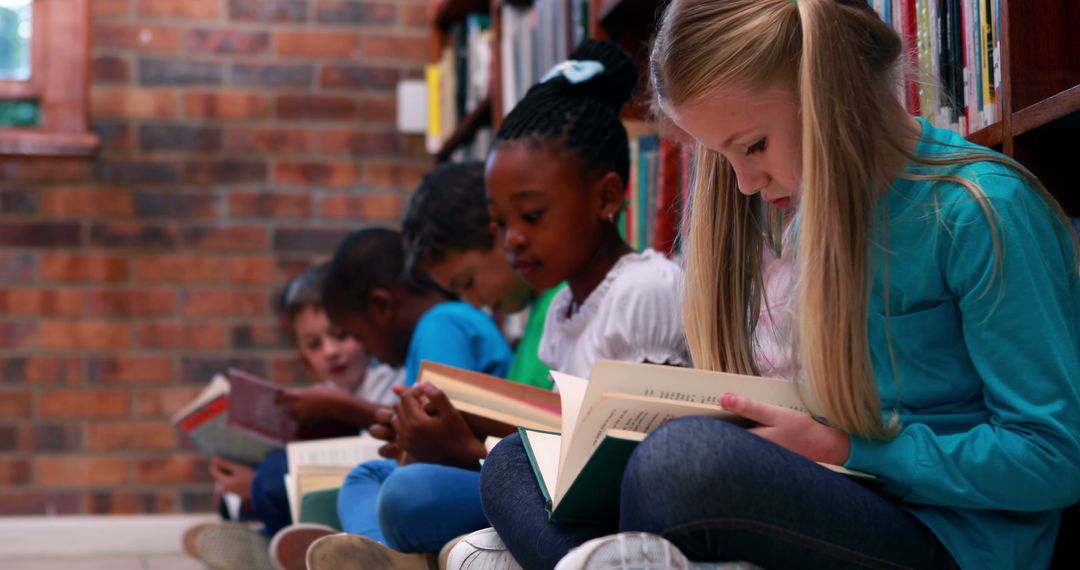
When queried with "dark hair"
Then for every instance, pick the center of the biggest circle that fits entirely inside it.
(302, 292)
(448, 212)
(368, 259)
(582, 117)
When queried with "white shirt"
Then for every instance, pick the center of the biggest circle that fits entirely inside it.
(635, 315)
(378, 384)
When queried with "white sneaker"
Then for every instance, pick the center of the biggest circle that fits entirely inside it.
(481, 550)
(636, 551)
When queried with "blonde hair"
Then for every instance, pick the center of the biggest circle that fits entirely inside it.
(843, 61)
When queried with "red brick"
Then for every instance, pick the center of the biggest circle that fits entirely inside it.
(180, 138)
(277, 75)
(140, 171)
(39, 234)
(133, 103)
(351, 12)
(180, 335)
(269, 140)
(172, 205)
(110, 69)
(110, 8)
(228, 41)
(360, 77)
(17, 334)
(91, 335)
(269, 205)
(115, 135)
(17, 266)
(192, 9)
(174, 469)
(382, 206)
(199, 370)
(268, 10)
(225, 105)
(50, 301)
(183, 71)
(72, 404)
(39, 503)
(16, 404)
(401, 47)
(135, 436)
(46, 169)
(182, 268)
(55, 369)
(227, 171)
(379, 109)
(251, 335)
(163, 402)
(363, 144)
(83, 267)
(225, 302)
(288, 370)
(143, 302)
(393, 175)
(316, 44)
(231, 238)
(262, 270)
(144, 39)
(27, 436)
(133, 235)
(130, 502)
(132, 370)
(14, 472)
(89, 202)
(325, 174)
(80, 470)
(415, 16)
(316, 108)
(318, 241)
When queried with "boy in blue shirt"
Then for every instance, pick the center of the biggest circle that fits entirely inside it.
(404, 319)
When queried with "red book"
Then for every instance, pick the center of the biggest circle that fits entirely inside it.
(667, 197)
(911, 45)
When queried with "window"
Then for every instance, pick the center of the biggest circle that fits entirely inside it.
(44, 108)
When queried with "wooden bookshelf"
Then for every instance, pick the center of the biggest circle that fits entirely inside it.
(479, 118)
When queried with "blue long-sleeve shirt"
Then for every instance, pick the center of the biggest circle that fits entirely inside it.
(987, 361)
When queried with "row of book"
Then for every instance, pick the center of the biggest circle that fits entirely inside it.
(656, 192)
(461, 80)
(956, 48)
(534, 39)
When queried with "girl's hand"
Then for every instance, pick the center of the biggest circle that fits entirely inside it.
(313, 403)
(431, 430)
(232, 477)
(793, 430)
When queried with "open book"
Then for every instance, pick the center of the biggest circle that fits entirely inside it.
(205, 421)
(492, 405)
(605, 417)
(323, 464)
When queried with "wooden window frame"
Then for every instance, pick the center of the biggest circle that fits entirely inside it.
(59, 81)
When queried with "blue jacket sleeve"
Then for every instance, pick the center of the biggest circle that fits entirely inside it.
(1020, 312)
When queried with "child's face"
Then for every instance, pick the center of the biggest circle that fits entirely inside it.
(484, 278)
(760, 134)
(328, 352)
(547, 215)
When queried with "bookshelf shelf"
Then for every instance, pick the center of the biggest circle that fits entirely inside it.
(615, 14)
(1046, 111)
(992, 135)
(479, 118)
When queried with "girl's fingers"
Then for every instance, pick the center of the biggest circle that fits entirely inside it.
(760, 412)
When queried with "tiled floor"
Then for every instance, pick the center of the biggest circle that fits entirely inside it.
(104, 562)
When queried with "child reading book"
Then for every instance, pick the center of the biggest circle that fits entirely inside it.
(937, 322)
(350, 387)
(404, 318)
(448, 233)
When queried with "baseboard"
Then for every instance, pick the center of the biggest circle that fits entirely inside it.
(78, 535)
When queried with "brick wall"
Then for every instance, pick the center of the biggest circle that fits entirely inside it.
(242, 140)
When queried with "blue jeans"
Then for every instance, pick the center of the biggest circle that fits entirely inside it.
(719, 493)
(415, 508)
(268, 497)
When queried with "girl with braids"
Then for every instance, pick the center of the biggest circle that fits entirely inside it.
(936, 308)
(556, 183)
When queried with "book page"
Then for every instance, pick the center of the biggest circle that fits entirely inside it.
(218, 386)
(689, 385)
(573, 392)
(336, 452)
(614, 413)
(484, 403)
(545, 453)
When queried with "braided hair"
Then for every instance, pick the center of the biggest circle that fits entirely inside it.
(579, 117)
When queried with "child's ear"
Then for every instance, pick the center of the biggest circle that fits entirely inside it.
(612, 192)
(382, 307)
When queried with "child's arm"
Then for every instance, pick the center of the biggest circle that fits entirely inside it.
(1022, 337)
(317, 403)
(232, 477)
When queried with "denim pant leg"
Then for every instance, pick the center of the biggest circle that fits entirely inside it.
(515, 506)
(358, 496)
(721, 493)
(268, 497)
(423, 506)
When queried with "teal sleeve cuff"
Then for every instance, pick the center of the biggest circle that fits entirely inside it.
(892, 461)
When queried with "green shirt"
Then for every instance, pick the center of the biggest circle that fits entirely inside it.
(526, 368)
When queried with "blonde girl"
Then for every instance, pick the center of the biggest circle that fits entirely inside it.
(936, 315)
